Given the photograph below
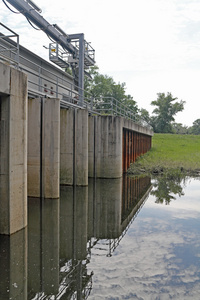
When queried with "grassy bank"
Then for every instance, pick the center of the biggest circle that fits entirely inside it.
(170, 153)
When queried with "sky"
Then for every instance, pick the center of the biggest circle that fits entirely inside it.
(158, 257)
(151, 45)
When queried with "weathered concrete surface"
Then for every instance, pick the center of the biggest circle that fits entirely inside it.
(105, 145)
(13, 150)
(43, 147)
(51, 148)
(74, 147)
(136, 127)
(81, 146)
(34, 140)
(66, 146)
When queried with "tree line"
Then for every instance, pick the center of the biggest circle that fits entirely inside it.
(101, 87)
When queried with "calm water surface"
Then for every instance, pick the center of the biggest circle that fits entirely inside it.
(115, 239)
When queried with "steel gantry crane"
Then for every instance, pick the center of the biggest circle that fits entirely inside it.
(67, 49)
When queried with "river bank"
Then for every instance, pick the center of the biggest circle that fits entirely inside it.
(170, 154)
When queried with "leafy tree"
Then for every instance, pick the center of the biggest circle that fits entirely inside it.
(107, 93)
(164, 112)
(195, 129)
(178, 128)
(144, 114)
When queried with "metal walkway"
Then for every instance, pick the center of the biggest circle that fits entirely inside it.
(47, 80)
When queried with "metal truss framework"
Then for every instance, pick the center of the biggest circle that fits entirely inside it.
(80, 54)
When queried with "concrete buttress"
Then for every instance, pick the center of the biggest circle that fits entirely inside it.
(13, 150)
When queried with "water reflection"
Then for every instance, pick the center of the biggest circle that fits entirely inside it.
(50, 259)
(13, 266)
(166, 188)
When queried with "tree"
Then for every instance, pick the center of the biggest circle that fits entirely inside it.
(144, 114)
(164, 112)
(178, 128)
(107, 93)
(195, 129)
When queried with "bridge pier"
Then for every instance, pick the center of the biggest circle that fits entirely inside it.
(13, 150)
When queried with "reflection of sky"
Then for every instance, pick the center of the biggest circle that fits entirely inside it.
(159, 258)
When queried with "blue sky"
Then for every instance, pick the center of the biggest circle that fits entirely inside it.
(151, 45)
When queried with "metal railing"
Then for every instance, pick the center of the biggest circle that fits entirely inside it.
(54, 82)
(9, 51)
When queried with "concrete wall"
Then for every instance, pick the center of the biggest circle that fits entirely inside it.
(43, 147)
(13, 150)
(105, 145)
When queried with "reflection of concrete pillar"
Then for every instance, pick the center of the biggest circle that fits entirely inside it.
(66, 222)
(34, 245)
(13, 262)
(80, 222)
(50, 246)
(108, 208)
(91, 207)
(43, 147)
(13, 150)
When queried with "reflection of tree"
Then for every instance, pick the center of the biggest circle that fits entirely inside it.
(165, 187)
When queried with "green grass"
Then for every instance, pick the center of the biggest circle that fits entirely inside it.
(170, 152)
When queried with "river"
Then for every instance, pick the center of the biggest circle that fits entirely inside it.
(115, 239)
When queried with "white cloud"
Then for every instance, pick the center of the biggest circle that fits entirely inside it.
(158, 257)
(153, 46)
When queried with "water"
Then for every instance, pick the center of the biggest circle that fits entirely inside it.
(115, 239)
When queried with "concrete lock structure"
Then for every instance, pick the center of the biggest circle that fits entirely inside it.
(44, 144)
(13, 150)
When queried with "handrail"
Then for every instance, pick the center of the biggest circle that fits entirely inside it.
(13, 49)
(40, 77)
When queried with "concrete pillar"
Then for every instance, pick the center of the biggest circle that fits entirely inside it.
(91, 146)
(74, 147)
(106, 141)
(43, 147)
(13, 150)
(81, 146)
(66, 146)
